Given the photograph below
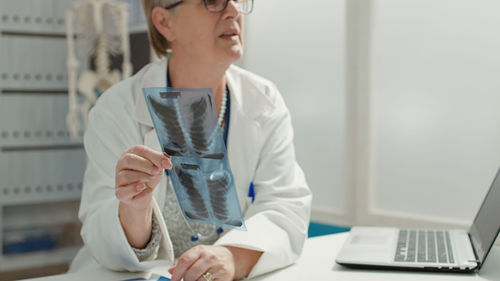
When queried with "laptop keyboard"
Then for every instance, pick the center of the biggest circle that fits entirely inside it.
(429, 246)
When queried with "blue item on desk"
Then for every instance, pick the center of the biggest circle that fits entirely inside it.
(153, 277)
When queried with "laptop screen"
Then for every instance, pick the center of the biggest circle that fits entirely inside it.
(486, 225)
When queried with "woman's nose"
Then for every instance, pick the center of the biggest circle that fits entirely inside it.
(232, 9)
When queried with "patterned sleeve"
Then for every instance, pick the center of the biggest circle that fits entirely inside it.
(151, 250)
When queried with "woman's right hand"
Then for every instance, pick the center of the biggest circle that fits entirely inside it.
(138, 172)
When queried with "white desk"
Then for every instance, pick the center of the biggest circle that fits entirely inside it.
(318, 263)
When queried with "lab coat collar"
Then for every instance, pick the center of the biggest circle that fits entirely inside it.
(155, 75)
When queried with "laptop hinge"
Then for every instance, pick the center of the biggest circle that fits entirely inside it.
(474, 251)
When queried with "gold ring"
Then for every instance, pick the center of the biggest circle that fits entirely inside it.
(208, 276)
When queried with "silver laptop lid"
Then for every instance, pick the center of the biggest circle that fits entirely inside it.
(486, 226)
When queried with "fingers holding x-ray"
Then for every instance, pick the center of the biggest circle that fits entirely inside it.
(139, 169)
(127, 192)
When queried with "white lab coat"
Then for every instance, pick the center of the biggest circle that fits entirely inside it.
(260, 149)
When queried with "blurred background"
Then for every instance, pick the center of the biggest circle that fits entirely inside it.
(395, 106)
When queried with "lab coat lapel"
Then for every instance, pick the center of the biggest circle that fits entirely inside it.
(243, 140)
(242, 151)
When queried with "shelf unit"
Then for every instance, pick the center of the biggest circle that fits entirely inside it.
(41, 167)
(59, 256)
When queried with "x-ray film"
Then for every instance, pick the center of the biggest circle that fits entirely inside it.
(185, 121)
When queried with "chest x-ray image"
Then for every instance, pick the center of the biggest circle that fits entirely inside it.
(185, 121)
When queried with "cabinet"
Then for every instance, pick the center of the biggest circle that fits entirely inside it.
(41, 167)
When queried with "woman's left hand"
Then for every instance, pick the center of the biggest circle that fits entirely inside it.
(200, 259)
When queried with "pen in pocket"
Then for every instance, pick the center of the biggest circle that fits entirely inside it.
(251, 191)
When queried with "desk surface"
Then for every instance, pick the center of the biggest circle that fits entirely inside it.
(318, 263)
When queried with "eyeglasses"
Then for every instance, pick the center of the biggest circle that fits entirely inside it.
(217, 6)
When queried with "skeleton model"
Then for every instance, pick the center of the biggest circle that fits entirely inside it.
(101, 30)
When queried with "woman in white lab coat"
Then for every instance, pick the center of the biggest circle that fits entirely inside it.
(131, 220)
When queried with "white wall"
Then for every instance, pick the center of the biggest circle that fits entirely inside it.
(300, 47)
(394, 103)
(434, 121)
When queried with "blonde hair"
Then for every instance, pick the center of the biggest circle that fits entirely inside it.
(159, 43)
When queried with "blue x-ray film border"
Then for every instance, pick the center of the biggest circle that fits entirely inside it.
(203, 168)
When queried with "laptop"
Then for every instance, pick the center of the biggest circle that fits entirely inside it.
(427, 249)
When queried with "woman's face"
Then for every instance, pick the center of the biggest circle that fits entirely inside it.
(206, 36)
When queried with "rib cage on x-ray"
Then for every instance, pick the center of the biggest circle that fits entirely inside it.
(201, 137)
(171, 122)
(188, 131)
(189, 181)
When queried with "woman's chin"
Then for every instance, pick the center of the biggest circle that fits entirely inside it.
(235, 53)
(230, 56)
